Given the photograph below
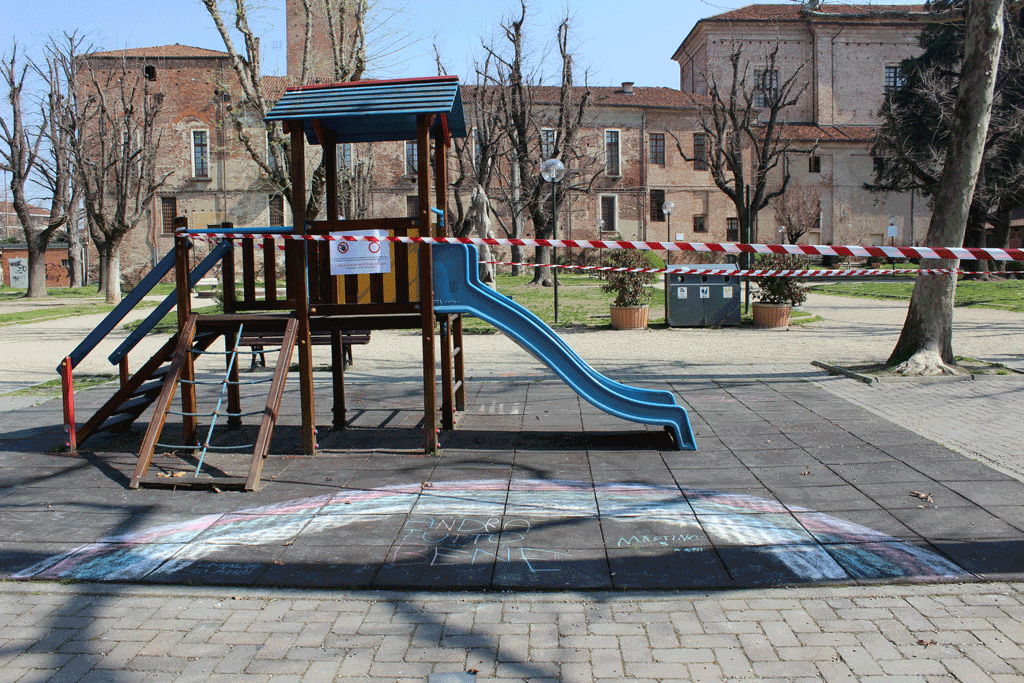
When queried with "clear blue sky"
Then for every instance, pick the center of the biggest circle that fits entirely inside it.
(621, 40)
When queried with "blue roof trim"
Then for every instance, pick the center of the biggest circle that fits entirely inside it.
(375, 112)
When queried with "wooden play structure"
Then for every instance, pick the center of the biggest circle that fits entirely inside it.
(317, 306)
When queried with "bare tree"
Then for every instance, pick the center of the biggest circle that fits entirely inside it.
(797, 211)
(269, 147)
(25, 156)
(925, 344)
(744, 119)
(475, 156)
(113, 137)
(56, 167)
(527, 112)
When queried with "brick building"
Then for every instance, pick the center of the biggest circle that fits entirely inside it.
(848, 63)
(633, 135)
(212, 177)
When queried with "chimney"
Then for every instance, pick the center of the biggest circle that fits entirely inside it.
(627, 87)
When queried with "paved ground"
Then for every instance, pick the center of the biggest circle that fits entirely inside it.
(800, 480)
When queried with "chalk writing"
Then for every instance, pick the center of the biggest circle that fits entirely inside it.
(660, 540)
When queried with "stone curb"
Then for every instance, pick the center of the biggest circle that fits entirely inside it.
(872, 379)
(837, 370)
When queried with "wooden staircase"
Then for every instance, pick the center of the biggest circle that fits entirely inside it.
(196, 336)
(121, 411)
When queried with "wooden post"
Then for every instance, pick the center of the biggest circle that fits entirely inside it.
(441, 200)
(426, 263)
(302, 289)
(227, 272)
(68, 385)
(330, 289)
(189, 424)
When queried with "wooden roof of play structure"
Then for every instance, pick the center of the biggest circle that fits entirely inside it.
(374, 111)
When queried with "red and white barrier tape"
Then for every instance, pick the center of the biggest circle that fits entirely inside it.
(706, 247)
(697, 270)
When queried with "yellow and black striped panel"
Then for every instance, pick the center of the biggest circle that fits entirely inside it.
(400, 286)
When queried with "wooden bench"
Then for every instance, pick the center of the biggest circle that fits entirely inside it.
(206, 282)
(257, 342)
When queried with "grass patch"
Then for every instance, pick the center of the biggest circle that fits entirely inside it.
(53, 386)
(63, 311)
(9, 294)
(169, 323)
(1005, 295)
(581, 303)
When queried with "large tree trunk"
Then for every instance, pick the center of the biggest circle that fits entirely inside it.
(36, 265)
(925, 345)
(112, 274)
(542, 276)
(75, 260)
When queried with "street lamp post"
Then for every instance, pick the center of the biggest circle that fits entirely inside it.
(553, 171)
(666, 208)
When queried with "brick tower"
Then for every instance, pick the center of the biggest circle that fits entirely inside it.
(320, 65)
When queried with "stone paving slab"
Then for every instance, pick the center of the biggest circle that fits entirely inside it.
(793, 485)
(105, 632)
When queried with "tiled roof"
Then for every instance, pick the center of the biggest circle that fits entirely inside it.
(8, 208)
(274, 86)
(612, 96)
(374, 110)
(175, 50)
(810, 131)
(792, 11)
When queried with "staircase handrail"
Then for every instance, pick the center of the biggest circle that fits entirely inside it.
(165, 306)
(100, 332)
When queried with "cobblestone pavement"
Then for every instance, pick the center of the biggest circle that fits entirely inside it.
(980, 418)
(892, 634)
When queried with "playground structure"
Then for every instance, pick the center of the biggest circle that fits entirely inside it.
(325, 307)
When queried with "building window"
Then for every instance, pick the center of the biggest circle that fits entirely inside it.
(700, 223)
(168, 212)
(732, 229)
(200, 154)
(766, 87)
(149, 71)
(657, 200)
(412, 158)
(611, 153)
(894, 79)
(657, 149)
(276, 210)
(547, 143)
(345, 156)
(412, 206)
(878, 163)
(700, 151)
(609, 214)
(814, 164)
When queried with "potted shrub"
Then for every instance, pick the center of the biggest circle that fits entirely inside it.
(777, 295)
(629, 310)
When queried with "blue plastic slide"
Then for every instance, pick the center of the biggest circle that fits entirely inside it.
(457, 289)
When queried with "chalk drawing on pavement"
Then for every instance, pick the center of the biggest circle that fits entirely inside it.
(485, 521)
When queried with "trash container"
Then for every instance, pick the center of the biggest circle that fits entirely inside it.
(696, 300)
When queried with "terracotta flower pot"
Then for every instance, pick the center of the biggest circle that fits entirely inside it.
(629, 317)
(771, 315)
